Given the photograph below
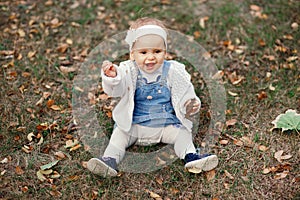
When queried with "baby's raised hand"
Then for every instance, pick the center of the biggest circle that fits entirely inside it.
(109, 69)
(192, 107)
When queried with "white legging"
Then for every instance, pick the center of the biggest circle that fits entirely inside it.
(172, 134)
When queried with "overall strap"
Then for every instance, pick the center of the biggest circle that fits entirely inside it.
(165, 71)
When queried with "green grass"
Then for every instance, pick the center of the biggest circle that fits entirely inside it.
(227, 21)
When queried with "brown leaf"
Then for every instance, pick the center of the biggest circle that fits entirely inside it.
(223, 142)
(159, 180)
(153, 195)
(19, 170)
(66, 70)
(266, 171)
(263, 148)
(55, 107)
(50, 103)
(231, 122)
(281, 175)
(60, 155)
(62, 48)
(262, 95)
(261, 42)
(210, 175)
(238, 143)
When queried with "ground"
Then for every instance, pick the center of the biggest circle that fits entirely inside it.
(44, 44)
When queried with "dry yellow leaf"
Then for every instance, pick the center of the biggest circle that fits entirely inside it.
(31, 54)
(55, 107)
(263, 148)
(77, 146)
(21, 33)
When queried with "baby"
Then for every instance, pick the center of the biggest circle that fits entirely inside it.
(157, 99)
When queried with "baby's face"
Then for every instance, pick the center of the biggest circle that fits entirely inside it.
(149, 52)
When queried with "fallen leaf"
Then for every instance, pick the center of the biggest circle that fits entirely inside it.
(281, 175)
(77, 146)
(238, 143)
(49, 165)
(24, 189)
(232, 93)
(294, 25)
(55, 107)
(31, 54)
(46, 172)
(160, 161)
(228, 175)
(60, 154)
(159, 180)
(154, 195)
(4, 161)
(255, 7)
(194, 170)
(278, 155)
(262, 95)
(231, 122)
(223, 142)
(266, 171)
(62, 48)
(67, 70)
(41, 176)
(30, 136)
(288, 121)
(210, 175)
(21, 33)
(19, 170)
(49, 103)
(263, 148)
(247, 141)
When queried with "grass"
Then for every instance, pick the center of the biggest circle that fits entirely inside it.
(239, 174)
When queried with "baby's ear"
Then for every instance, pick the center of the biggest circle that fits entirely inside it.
(131, 55)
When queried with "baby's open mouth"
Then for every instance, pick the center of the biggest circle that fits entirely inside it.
(150, 65)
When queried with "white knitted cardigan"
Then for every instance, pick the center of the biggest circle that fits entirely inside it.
(125, 83)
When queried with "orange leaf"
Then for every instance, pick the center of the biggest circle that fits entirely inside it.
(210, 175)
(19, 170)
(50, 103)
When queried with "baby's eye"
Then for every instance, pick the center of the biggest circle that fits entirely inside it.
(143, 52)
(157, 51)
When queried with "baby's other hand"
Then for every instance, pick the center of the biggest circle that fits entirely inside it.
(192, 107)
(109, 69)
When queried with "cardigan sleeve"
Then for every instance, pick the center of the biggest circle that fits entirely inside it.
(115, 86)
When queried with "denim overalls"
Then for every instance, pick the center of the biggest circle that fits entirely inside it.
(153, 107)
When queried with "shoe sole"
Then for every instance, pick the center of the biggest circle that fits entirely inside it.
(99, 167)
(205, 164)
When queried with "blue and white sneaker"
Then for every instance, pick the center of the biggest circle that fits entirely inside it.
(196, 163)
(105, 166)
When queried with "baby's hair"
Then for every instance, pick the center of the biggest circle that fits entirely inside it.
(146, 21)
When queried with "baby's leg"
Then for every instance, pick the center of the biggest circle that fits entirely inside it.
(181, 138)
(118, 143)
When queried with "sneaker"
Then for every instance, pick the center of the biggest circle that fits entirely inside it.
(105, 166)
(196, 163)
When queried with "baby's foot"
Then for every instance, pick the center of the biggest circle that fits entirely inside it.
(196, 163)
(105, 166)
